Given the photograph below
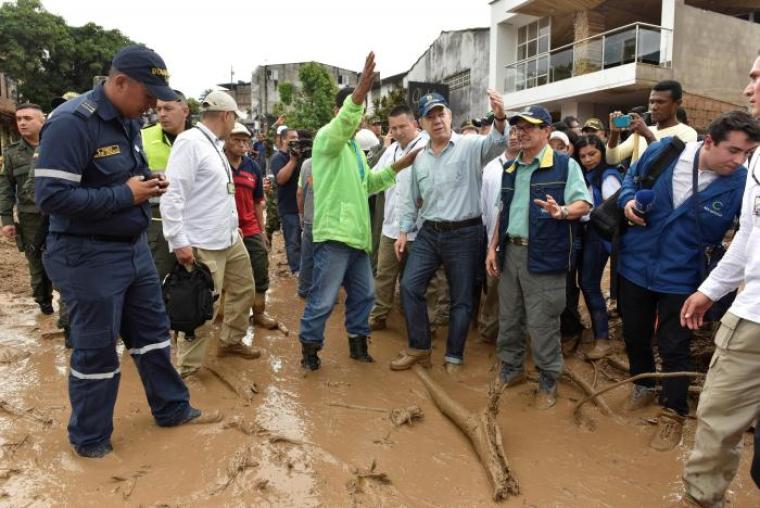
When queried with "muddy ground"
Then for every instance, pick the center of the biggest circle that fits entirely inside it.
(289, 440)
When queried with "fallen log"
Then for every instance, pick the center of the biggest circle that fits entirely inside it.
(245, 388)
(483, 431)
(645, 375)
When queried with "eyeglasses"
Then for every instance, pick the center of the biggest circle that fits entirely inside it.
(527, 127)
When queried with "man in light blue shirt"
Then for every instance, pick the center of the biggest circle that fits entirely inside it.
(444, 193)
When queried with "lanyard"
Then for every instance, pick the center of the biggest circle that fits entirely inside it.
(407, 150)
(225, 164)
(358, 159)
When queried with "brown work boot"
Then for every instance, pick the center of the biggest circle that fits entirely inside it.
(546, 398)
(510, 378)
(669, 433)
(239, 349)
(198, 417)
(569, 344)
(260, 316)
(641, 396)
(409, 357)
(452, 369)
(602, 348)
(377, 323)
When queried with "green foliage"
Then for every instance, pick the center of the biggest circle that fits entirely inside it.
(382, 106)
(286, 90)
(194, 106)
(47, 57)
(312, 103)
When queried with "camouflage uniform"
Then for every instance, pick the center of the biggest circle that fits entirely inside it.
(14, 174)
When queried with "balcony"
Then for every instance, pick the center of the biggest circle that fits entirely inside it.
(634, 43)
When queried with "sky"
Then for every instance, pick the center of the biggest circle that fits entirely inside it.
(201, 41)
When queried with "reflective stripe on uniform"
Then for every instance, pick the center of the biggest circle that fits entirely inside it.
(103, 375)
(57, 173)
(150, 347)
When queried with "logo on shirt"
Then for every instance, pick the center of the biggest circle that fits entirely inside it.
(715, 208)
(107, 151)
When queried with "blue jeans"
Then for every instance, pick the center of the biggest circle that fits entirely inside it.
(306, 275)
(291, 231)
(335, 265)
(593, 261)
(459, 252)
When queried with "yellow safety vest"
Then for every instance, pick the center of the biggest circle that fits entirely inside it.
(156, 146)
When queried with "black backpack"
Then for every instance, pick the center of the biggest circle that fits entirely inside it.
(189, 297)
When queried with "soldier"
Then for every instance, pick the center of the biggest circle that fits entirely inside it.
(28, 232)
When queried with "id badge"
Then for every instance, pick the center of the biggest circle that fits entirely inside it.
(230, 188)
(756, 208)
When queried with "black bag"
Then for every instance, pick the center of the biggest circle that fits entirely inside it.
(608, 218)
(710, 255)
(189, 297)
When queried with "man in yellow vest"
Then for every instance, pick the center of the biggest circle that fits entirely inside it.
(157, 144)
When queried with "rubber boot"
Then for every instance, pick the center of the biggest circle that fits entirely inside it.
(260, 316)
(309, 359)
(357, 347)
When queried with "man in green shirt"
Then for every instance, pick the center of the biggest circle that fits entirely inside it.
(342, 182)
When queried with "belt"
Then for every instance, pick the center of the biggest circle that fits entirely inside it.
(453, 225)
(517, 240)
(154, 201)
(105, 238)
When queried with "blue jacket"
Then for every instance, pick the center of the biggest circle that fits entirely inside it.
(666, 255)
(596, 190)
(87, 153)
(551, 241)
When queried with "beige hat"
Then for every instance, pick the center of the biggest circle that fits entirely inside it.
(561, 136)
(239, 128)
(218, 100)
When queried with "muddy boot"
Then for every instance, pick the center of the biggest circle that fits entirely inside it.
(510, 377)
(197, 417)
(406, 359)
(377, 323)
(94, 451)
(641, 396)
(46, 308)
(546, 394)
(260, 316)
(602, 348)
(669, 433)
(239, 349)
(357, 347)
(570, 344)
(452, 369)
(309, 359)
(67, 338)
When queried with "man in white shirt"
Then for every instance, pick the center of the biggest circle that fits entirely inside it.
(730, 399)
(490, 197)
(200, 223)
(403, 127)
(664, 100)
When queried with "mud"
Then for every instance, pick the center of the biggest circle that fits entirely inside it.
(286, 444)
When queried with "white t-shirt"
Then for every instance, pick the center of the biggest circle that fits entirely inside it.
(489, 195)
(682, 175)
(635, 145)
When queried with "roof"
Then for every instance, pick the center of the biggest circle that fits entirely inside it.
(303, 63)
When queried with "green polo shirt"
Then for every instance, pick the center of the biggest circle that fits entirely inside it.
(575, 189)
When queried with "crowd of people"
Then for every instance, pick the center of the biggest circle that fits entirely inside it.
(495, 219)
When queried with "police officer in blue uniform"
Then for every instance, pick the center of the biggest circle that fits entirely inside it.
(92, 179)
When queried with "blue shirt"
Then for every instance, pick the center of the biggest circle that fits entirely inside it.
(286, 193)
(87, 153)
(448, 184)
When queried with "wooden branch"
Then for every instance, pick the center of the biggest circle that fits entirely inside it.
(588, 390)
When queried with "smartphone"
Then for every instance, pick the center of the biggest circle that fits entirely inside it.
(622, 122)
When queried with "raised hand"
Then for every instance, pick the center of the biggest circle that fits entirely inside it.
(365, 82)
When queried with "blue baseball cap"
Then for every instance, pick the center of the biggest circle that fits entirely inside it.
(430, 101)
(146, 66)
(533, 114)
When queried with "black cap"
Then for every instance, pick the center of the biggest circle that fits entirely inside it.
(146, 66)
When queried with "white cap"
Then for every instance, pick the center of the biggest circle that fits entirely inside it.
(281, 128)
(239, 128)
(561, 136)
(366, 139)
(220, 101)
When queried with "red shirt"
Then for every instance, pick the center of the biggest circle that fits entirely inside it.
(248, 192)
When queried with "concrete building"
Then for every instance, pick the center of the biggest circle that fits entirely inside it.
(266, 79)
(589, 57)
(458, 59)
(241, 92)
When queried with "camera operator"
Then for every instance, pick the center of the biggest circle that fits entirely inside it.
(286, 166)
(664, 100)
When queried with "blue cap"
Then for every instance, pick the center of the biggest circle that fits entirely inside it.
(533, 114)
(430, 101)
(146, 66)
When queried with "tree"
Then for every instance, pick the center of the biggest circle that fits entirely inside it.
(311, 105)
(47, 57)
(194, 106)
(382, 106)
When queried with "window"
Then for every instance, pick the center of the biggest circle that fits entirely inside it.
(533, 39)
(458, 80)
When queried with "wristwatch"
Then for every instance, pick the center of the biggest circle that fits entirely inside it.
(565, 212)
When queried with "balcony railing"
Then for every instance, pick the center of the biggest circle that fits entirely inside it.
(637, 42)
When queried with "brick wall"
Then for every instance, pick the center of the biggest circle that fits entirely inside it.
(702, 110)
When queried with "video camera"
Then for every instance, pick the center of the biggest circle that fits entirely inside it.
(300, 148)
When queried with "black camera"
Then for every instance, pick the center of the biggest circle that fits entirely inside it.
(300, 148)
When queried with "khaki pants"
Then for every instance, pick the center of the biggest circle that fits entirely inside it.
(488, 321)
(729, 403)
(231, 270)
